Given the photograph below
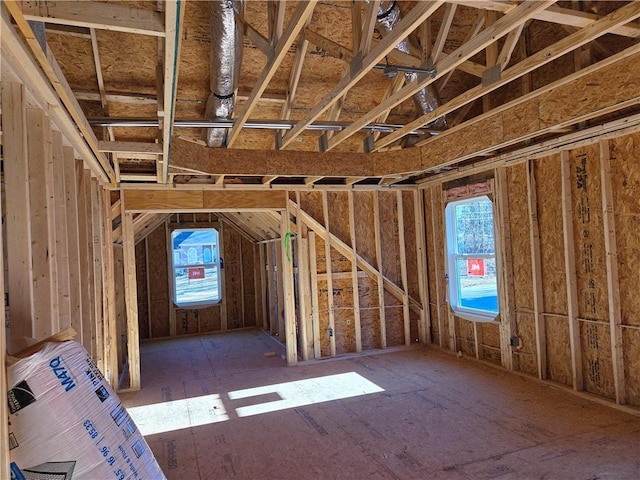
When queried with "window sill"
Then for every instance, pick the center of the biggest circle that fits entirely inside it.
(474, 316)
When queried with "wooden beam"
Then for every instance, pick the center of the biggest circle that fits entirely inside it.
(16, 188)
(443, 33)
(327, 254)
(224, 320)
(403, 268)
(279, 52)
(536, 272)
(4, 411)
(354, 274)
(263, 284)
(304, 300)
(131, 300)
(98, 318)
(109, 294)
(522, 68)
(556, 14)
(424, 326)
(439, 271)
(260, 41)
(613, 288)
(294, 76)
(130, 148)
(86, 258)
(98, 15)
(174, 25)
(570, 273)
(379, 281)
(473, 31)
(52, 71)
(360, 67)
(313, 271)
(509, 46)
(504, 25)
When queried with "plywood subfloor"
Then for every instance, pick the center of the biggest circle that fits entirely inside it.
(431, 416)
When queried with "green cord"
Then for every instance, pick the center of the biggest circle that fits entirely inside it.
(287, 244)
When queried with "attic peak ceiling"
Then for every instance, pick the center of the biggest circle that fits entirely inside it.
(141, 78)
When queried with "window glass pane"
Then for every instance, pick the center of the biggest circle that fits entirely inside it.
(477, 286)
(196, 285)
(474, 227)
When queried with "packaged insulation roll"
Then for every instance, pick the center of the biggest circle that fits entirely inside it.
(65, 421)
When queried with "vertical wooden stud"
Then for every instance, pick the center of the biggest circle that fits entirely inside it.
(379, 280)
(280, 300)
(570, 272)
(4, 411)
(221, 279)
(403, 269)
(131, 300)
(424, 327)
(264, 287)
(327, 245)
(148, 280)
(437, 267)
(73, 244)
(16, 184)
(85, 245)
(536, 271)
(354, 275)
(170, 279)
(286, 278)
(304, 307)
(109, 293)
(98, 264)
(610, 245)
(257, 285)
(313, 271)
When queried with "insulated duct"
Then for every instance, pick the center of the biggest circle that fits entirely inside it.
(426, 100)
(226, 52)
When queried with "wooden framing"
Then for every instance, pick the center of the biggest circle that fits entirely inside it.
(613, 288)
(379, 280)
(131, 300)
(4, 410)
(536, 272)
(354, 275)
(570, 273)
(221, 278)
(93, 189)
(109, 294)
(438, 268)
(313, 270)
(403, 270)
(327, 254)
(424, 327)
(85, 246)
(304, 304)
(286, 277)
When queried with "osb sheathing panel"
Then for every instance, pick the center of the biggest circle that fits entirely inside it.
(625, 179)
(414, 318)
(339, 263)
(343, 316)
(389, 236)
(338, 204)
(321, 259)
(369, 313)
(142, 290)
(364, 226)
(158, 284)
(520, 120)
(210, 320)
(394, 325)
(586, 195)
(186, 321)
(611, 85)
(520, 242)
(232, 276)
(465, 336)
(491, 339)
(248, 282)
(558, 353)
(75, 57)
(631, 354)
(597, 366)
(311, 203)
(549, 193)
(527, 356)
(411, 260)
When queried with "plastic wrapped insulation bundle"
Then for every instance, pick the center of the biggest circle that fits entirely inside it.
(226, 57)
(426, 100)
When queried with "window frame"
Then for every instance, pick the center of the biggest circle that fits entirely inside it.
(452, 277)
(215, 263)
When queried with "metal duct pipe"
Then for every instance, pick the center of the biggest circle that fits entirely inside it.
(426, 100)
(226, 52)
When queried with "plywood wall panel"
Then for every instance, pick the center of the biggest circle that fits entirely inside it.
(527, 356)
(311, 202)
(394, 322)
(249, 284)
(323, 315)
(631, 349)
(364, 225)
(143, 292)
(158, 284)
(321, 259)
(389, 236)
(597, 366)
(233, 276)
(339, 215)
(558, 352)
(625, 179)
(210, 319)
(549, 191)
(589, 233)
(339, 263)
(465, 336)
(491, 341)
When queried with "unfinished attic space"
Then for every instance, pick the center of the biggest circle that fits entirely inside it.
(326, 239)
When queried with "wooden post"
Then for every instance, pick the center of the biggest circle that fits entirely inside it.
(98, 264)
(403, 269)
(271, 292)
(327, 249)
(264, 286)
(109, 294)
(477, 339)
(453, 335)
(504, 266)
(378, 242)
(354, 275)
(221, 277)
(170, 279)
(437, 267)
(86, 259)
(304, 307)
(45, 304)
(613, 288)
(131, 300)
(313, 270)
(16, 184)
(280, 311)
(74, 240)
(424, 327)
(288, 296)
(4, 411)
(570, 272)
(257, 285)
(536, 271)
(148, 280)
(60, 227)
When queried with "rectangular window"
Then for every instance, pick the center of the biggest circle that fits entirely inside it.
(471, 265)
(196, 267)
